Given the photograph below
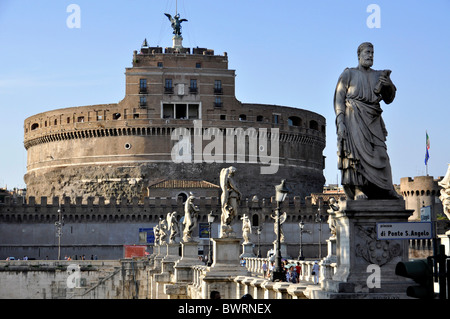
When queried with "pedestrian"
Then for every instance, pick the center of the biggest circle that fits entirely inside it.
(291, 275)
(298, 269)
(270, 269)
(315, 272)
(264, 268)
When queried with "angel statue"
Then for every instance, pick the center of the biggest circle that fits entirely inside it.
(190, 218)
(246, 228)
(172, 224)
(156, 232)
(275, 226)
(162, 231)
(229, 201)
(176, 23)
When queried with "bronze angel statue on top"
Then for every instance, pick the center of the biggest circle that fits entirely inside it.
(176, 23)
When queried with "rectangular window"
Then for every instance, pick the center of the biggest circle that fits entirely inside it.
(276, 119)
(143, 86)
(217, 87)
(180, 111)
(168, 87)
(218, 101)
(143, 101)
(193, 86)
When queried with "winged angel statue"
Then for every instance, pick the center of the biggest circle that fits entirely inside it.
(176, 23)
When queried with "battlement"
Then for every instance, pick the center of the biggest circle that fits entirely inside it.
(420, 186)
(148, 209)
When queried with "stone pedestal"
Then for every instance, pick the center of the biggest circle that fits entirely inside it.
(177, 42)
(182, 275)
(366, 265)
(173, 255)
(283, 250)
(189, 257)
(224, 268)
(247, 250)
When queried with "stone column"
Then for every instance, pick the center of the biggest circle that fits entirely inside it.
(224, 268)
(357, 247)
(247, 250)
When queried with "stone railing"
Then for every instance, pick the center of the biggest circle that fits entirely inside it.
(327, 269)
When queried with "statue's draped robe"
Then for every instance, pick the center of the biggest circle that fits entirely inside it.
(362, 154)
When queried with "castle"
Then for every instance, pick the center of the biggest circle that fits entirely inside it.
(179, 120)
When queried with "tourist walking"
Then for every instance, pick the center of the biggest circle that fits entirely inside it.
(315, 272)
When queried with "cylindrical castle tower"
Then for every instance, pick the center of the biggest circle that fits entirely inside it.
(179, 120)
(422, 191)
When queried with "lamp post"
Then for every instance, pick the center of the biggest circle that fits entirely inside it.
(319, 220)
(280, 195)
(258, 231)
(59, 224)
(211, 218)
(300, 253)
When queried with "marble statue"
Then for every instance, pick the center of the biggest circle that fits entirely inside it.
(362, 155)
(176, 23)
(445, 192)
(229, 201)
(334, 207)
(246, 228)
(190, 218)
(156, 232)
(162, 231)
(275, 226)
(172, 224)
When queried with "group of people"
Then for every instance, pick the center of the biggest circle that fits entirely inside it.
(291, 272)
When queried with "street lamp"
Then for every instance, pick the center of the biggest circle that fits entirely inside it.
(319, 220)
(59, 224)
(211, 218)
(300, 253)
(280, 195)
(258, 231)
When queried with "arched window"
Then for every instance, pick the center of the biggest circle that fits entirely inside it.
(294, 121)
(313, 125)
(34, 126)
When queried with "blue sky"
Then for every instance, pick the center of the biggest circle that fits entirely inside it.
(284, 52)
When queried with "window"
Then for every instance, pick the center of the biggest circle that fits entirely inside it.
(143, 86)
(242, 117)
(276, 119)
(180, 111)
(259, 118)
(160, 64)
(313, 125)
(116, 116)
(80, 119)
(294, 121)
(218, 101)
(223, 117)
(198, 65)
(193, 86)
(217, 87)
(34, 126)
(143, 101)
(168, 87)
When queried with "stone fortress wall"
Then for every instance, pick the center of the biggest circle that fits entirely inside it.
(101, 227)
